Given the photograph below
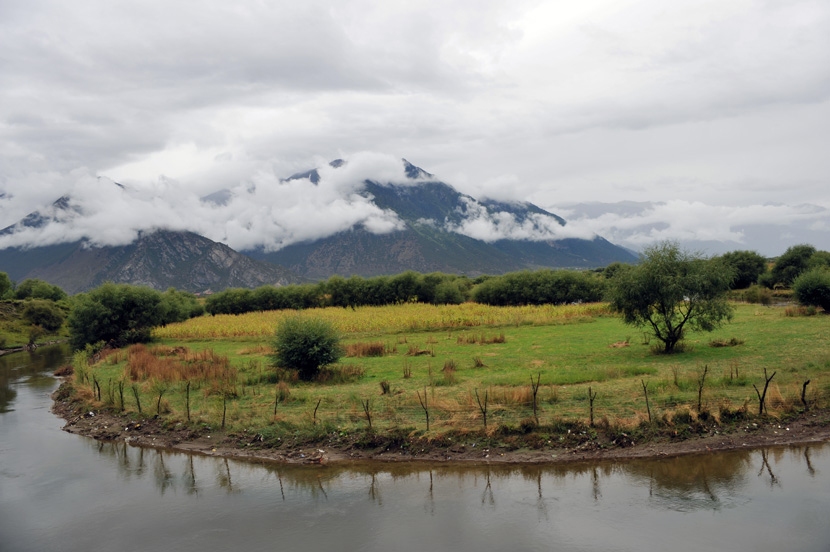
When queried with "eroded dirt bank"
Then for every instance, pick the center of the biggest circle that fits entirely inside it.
(810, 427)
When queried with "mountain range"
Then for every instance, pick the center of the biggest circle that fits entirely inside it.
(436, 229)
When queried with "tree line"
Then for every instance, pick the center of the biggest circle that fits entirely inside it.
(121, 313)
(517, 288)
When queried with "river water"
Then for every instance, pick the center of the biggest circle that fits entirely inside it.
(63, 492)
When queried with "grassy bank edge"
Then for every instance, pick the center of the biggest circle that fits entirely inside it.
(564, 442)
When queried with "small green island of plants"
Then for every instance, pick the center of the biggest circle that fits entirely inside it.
(671, 353)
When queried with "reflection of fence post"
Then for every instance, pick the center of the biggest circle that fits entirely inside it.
(591, 397)
(534, 387)
(483, 408)
(645, 392)
(424, 404)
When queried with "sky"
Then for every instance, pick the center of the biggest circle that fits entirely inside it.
(706, 122)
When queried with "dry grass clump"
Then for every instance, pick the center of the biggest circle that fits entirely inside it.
(481, 339)
(258, 350)
(366, 349)
(143, 364)
(346, 373)
(415, 350)
(733, 342)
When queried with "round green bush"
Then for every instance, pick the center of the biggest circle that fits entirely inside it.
(812, 288)
(45, 314)
(306, 345)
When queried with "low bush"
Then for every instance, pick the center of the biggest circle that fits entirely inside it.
(812, 288)
(306, 345)
(44, 313)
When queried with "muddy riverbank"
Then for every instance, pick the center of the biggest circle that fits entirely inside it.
(103, 425)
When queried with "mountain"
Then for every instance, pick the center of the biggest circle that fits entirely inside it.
(427, 226)
(435, 236)
(160, 260)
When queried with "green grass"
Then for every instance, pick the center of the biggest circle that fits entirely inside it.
(570, 356)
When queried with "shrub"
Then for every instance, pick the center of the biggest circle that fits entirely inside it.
(758, 294)
(748, 266)
(38, 289)
(305, 345)
(45, 314)
(812, 288)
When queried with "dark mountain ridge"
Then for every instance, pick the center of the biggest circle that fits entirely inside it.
(434, 235)
(431, 212)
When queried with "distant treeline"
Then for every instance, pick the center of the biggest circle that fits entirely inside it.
(516, 288)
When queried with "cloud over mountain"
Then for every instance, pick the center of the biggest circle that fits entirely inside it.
(266, 211)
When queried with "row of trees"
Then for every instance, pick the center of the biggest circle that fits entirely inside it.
(517, 288)
(752, 268)
(29, 289)
(337, 291)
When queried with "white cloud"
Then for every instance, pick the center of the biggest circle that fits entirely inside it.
(724, 104)
(481, 224)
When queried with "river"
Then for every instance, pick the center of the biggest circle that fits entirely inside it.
(63, 492)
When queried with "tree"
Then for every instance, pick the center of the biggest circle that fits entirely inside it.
(671, 291)
(44, 313)
(792, 263)
(305, 345)
(748, 266)
(116, 313)
(813, 288)
(38, 289)
(5, 284)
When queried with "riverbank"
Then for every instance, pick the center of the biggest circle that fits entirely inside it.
(31, 347)
(470, 447)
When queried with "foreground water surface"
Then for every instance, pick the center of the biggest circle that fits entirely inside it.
(63, 492)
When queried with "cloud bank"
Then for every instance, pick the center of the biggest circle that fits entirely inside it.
(721, 104)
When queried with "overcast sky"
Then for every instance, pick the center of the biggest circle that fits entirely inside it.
(716, 113)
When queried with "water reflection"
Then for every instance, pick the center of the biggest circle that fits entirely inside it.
(59, 491)
(686, 483)
(29, 368)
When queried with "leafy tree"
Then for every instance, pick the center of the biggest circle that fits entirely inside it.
(792, 263)
(180, 306)
(671, 291)
(813, 288)
(540, 287)
(819, 259)
(44, 313)
(231, 301)
(748, 266)
(117, 314)
(611, 270)
(38, 289)
(305, 345)
(448, 293)
(5, 285)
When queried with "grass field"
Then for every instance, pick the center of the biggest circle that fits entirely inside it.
(448, 360)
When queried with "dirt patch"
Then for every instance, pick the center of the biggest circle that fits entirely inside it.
(150, 431)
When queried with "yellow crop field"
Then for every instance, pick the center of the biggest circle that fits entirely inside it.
(385, 319)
